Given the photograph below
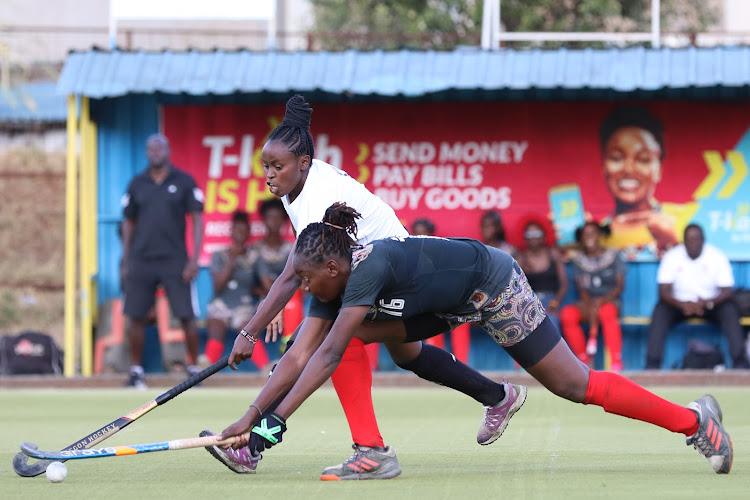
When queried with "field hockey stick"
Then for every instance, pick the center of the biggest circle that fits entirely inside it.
(20, 461)
(117, 451)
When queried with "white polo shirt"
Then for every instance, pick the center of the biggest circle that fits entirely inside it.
(693, 279)
(326, 185)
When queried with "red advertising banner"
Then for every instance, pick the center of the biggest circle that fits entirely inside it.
(648, 168)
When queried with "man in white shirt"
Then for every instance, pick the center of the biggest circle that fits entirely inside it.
(695, 280)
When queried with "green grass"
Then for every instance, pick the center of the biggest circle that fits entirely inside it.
(552, 448)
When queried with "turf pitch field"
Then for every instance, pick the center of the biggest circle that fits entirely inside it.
(551, 449)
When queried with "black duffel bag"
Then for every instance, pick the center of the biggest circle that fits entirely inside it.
(30, 353)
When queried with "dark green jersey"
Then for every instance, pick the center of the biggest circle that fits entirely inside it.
(405, 276)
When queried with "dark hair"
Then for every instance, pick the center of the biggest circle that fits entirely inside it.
(427, 223)
(160, 138)
(272, 204)
(604, 229)
(240, 216)
(495, 217)
(334, 236)
(630, 116)
(294, 130)
(693, 225)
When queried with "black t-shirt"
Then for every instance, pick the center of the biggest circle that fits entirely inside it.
(403, 277)
(159, 212)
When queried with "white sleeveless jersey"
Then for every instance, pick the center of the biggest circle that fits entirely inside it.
(326, 185)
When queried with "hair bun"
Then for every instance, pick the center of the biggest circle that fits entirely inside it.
(298, 112)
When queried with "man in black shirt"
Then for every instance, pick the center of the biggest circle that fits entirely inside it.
(154, 251)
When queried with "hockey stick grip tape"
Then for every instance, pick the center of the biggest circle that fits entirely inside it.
(195, 379)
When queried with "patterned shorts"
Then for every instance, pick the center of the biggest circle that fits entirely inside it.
(509, 318)
(235, 317)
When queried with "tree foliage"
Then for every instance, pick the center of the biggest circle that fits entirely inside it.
(443, 24)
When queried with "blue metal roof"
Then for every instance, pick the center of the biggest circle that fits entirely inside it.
(32, 102)
(101, 74)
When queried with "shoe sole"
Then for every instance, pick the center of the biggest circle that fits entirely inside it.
(513, 409)
(390, 474)
(221, 458)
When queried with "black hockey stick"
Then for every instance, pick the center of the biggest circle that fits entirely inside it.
(25, 469)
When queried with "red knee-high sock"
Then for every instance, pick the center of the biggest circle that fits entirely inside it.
(260, 356)
(570, 319)
(621, 396)
(437, 341)
(353, 383)
(461, 342)
(214, 350)
(611, 331)
(373, 354)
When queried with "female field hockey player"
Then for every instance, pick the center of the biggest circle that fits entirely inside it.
(307, 188)
(435, 284)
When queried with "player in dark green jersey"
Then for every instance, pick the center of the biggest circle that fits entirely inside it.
(409, 288)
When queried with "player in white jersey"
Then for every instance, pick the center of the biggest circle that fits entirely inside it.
(307, 188)
(325, 185)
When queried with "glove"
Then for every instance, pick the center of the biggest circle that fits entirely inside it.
(267, 433)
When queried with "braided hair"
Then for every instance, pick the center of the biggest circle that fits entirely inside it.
(294, 130)
(332, 237)
(604, 230)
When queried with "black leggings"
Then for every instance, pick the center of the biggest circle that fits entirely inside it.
(527, 352)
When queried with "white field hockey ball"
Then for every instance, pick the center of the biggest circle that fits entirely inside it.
(57, 472)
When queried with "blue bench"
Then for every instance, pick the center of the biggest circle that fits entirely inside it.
(639, 297)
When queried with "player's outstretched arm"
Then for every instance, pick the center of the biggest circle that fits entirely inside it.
(325, 360)
(287, 372)
(280, 293)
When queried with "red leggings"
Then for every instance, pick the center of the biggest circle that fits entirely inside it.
(571, 318)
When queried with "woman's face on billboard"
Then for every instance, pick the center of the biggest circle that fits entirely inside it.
(632, 165)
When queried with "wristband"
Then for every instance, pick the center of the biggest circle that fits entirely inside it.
(256, 407)
(249, 337)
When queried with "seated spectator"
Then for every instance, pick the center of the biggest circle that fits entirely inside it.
(544, 267)
(695, 281)
(599, 275)
(273, 251)
(233, 274)
(461, 336)
(493, 232)
(423, 227)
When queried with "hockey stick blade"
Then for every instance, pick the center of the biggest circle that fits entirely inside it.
(31, 450)
(25, 469)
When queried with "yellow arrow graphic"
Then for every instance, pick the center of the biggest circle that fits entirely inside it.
(364, 152)
(364, 171)
(364, 174)
(568, 208)
(737, 161)
(716, 172)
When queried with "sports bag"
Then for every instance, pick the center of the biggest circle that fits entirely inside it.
(702, 356)
(30, 353)
(742, 298)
